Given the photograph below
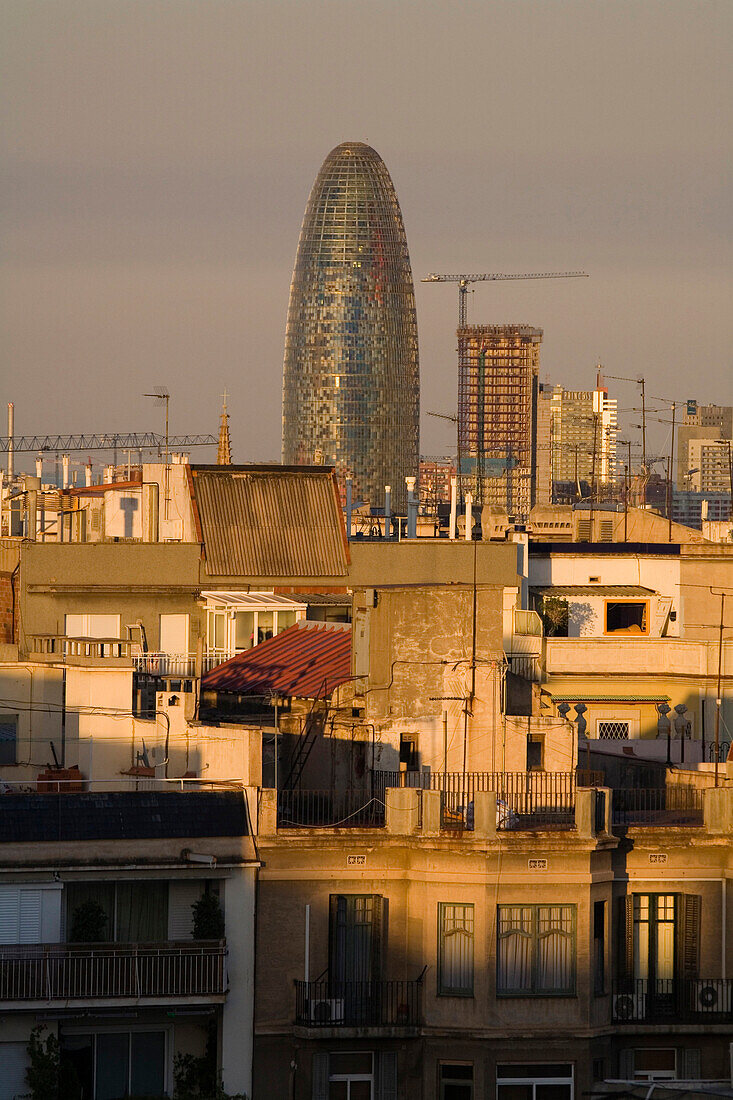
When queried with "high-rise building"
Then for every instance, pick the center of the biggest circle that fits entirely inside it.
(576, 437)
(351, 387)
(702, 462)
(497, 399)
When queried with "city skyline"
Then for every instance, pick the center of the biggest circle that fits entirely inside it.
(150, 221)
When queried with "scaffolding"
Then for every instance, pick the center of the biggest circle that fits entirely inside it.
(497, 400)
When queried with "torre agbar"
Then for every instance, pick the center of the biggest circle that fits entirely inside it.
(351, 383)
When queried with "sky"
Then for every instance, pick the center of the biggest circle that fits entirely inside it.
(157, 156)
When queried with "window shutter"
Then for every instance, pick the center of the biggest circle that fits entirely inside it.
(30, 917)
(625, 931)
(181, 897)
(9, 907)
(688, 1064)
(320, 1077)
(387, 1075)
(688, 953)
(379, 922)
(13, 1063)
(626, 1064)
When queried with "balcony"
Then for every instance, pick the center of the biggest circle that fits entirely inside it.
(666, 806)
(62, 647)
(673, 1000)
(315, 809)
(193, 971)
(334, 1004)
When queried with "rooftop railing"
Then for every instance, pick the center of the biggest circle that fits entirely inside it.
(313, 809)
(98, 971)
(61, 646)
(676, 805)
(333, 1004)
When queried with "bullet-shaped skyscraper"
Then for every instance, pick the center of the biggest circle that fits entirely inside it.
(351, 383)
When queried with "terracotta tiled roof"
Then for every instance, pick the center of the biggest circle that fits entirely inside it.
(306, 661)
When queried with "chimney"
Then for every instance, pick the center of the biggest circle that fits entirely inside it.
(453, 506)
(65, 471)
(387, 511)
(11, 442)
(39, 467)
(411, 508)
(88, 473)
(468, 534)
(108, 474)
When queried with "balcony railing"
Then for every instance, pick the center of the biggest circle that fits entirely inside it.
(61, 646)
(308, 809)
(358, 1004)
(673, 1000)
(677, 805)
(87, 972)
(166, 664)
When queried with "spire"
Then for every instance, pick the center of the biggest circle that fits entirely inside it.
(224, 453)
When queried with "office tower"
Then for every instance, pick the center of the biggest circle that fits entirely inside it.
(497, 399)
(703, 463)
(351, 388)
(576, 437)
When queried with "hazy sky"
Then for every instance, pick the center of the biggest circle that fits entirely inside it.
(157, 158)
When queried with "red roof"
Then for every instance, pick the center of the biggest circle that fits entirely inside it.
(306, 661)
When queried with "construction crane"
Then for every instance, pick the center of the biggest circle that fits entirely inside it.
(464, 282)
(134, 441)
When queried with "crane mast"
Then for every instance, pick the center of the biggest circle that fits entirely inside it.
(464, 282)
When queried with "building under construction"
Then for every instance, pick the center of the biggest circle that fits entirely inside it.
(497, 402)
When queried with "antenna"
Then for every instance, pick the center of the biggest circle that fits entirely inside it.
(161, 394)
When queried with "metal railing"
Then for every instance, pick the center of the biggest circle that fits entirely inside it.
(166, 664)
(672, 999)
(676, 805)
(88, 971)
(313, 809)
(525, 800)
(722, 752)
(358, 1004)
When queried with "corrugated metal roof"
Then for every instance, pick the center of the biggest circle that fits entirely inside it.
(306, 661)
(270, 521)
(593, 590)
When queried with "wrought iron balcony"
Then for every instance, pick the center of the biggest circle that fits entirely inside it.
(676, 805)
(343, 809)
(672, 1000)
(335, 1004)
(49, 972)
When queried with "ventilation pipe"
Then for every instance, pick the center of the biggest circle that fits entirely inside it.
(65, 471)
(468, 534)
(349, 506)
(411, 508)
(11, 441)
(387, 511)
(453, 506)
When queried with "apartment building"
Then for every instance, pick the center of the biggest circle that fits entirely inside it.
(554, 948)
(126, 932)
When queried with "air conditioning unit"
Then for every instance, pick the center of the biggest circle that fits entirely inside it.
(711, 996)
(328, 1011)
(629, 1006)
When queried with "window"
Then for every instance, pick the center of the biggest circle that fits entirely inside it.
(355, 937)
(409, 754)
(455, 950)
(535, 753)
(113, 1064)
(535, 950)
(613, 731)
(660, 940)
(655, 1064)
(351, 1076)
(599, 947)
(456, 1081)
(8, 738)
(92, 626)
(626, 617)
(534, 1081)
(134, 912)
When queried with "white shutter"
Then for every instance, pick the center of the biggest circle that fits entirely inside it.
(104, 626)
(75, 626)
(9, 914)
(51, 916)
(30, 917)
(173, 634)
(181, 896)
(13, 1062)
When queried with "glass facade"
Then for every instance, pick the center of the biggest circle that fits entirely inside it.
(351, 386)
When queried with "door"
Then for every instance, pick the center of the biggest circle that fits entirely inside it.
(355, 967)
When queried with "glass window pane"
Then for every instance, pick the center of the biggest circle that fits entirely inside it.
(147, 1063)
(142, 912)
(90, 912)
(514, 1092)
(244, 630)
(264, 625)
(284, 620)
(338, 1090)
(360, 1090)
(112, 1066)
(553, 1092)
